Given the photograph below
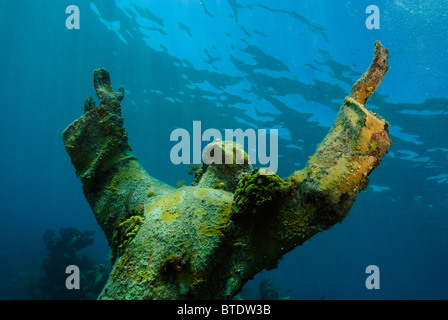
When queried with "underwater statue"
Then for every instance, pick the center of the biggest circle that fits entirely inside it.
(207, 240)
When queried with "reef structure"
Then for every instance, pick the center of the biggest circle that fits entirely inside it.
(207, 240)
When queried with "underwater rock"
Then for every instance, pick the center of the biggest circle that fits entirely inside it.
(64, 251)
(207, 240)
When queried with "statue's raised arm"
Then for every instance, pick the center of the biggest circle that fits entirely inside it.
(207, 240)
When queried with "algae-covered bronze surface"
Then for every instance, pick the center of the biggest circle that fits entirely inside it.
(207, 240)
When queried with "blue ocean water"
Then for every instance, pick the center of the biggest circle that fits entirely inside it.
(285, 65)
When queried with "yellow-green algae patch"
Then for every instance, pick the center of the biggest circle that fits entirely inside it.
(219, 223)
(129, 229)
(213, 197)
(134, 164)
(151, 193)
(165, 206)
(169, 216)
(213, 220)
(199, 211)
